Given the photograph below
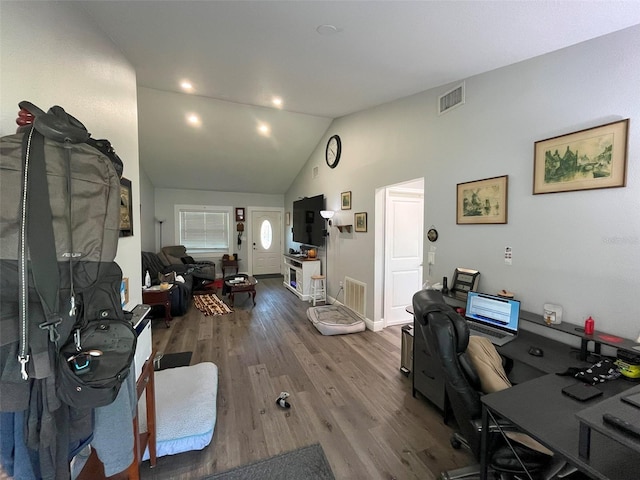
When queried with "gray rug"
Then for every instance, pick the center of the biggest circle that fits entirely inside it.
(308, 463)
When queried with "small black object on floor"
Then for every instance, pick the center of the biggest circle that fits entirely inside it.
(172, 360)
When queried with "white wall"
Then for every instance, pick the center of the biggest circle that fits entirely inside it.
(167, 198)
(149, 228)
(578, 249)
(51, 54)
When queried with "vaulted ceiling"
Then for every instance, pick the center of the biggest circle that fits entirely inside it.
(324, 59)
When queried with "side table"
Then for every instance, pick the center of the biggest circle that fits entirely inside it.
(156, 296)
(229, 264)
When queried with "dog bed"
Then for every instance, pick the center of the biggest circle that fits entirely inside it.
(335, 320)
(185, 408)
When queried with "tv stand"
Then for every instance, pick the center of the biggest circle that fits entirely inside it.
(297, 274)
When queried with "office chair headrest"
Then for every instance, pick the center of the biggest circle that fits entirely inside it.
(430, 302)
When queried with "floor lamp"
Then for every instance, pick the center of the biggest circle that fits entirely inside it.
(327, 215)
(160, 221)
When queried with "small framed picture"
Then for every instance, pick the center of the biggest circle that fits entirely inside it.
(482, 201)
(126, 208)
(345, 202)
(360, 219)
(239, 214)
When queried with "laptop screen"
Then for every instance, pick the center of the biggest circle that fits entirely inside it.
(498, 312)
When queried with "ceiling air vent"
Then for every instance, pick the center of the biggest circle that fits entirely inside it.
(452, 99)
(314, 172)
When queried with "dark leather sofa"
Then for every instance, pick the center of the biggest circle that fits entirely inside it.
(179, 297)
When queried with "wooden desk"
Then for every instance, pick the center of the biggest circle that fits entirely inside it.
(155, 296)
(146, 383)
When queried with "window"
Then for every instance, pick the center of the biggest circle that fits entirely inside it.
(266, 235)
(204, 229)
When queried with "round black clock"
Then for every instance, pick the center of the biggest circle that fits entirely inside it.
(332, 153)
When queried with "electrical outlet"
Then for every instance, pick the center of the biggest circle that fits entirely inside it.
(341, 283)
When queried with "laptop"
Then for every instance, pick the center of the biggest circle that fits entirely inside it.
(492, 317)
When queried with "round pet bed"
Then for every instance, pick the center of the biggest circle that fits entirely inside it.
(185, 408)
(335, 320)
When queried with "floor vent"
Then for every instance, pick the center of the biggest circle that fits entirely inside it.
(355, 295)
(314, 172)
(452, 99)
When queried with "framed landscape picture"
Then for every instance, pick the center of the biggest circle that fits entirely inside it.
(584, 160)
(482, 201)
(360, 221)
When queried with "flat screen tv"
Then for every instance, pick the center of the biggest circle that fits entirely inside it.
(308, 225)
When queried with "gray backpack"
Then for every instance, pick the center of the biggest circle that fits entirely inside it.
(63, 334)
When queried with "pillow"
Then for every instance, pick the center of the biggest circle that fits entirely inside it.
(487, 361)
(188, 260)
(488, 364)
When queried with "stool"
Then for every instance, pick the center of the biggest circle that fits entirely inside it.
(318, 291)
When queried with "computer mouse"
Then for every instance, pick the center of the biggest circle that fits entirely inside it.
(535, 351)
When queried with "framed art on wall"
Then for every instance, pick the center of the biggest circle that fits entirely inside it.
(345, 201)
(126, 208)
(360, 219)
(584, 160)
(482, 201)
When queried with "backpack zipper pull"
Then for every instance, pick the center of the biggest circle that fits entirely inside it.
(72, 311)
(23, 360)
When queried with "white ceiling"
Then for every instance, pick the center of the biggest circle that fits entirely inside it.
(238, 54)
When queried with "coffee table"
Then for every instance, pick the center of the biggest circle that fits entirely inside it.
(241, 283)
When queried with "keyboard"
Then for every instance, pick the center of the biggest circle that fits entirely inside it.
(486, 331)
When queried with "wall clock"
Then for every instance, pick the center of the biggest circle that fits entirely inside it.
(333, 151)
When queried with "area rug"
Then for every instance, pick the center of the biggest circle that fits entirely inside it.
(308, 463)
(210, 304)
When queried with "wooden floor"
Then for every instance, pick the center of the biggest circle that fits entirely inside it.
(347, 393)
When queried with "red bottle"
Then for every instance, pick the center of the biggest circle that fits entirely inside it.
(589, 326)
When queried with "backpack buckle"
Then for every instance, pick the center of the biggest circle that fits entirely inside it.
(51, 324)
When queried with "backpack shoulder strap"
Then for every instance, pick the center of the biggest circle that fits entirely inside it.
(38, 236)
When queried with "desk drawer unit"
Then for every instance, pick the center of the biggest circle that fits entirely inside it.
(428, 378)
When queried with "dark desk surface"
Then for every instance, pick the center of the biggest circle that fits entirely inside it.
(549, 417)
(592, 417)
(557, 356)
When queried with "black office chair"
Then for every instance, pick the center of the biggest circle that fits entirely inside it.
(446, 334)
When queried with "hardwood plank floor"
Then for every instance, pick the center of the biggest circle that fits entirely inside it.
(347, 393)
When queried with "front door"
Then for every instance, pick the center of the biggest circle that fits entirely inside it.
(403, 252)
(266, 232)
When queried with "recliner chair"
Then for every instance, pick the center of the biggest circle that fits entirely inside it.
(203, 270)
(447, 335)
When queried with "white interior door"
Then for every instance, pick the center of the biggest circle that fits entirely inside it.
(403, 252)
(266, 232)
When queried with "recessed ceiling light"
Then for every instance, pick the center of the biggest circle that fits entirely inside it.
(264, 129)
(186, 85)
(277, 101)
(327, 29)
(193, 119)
